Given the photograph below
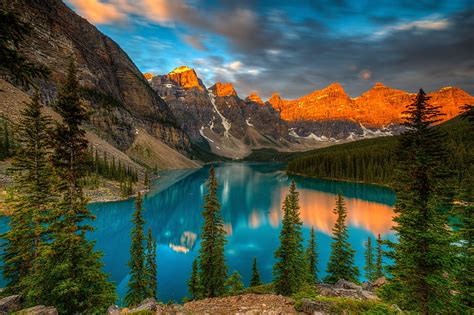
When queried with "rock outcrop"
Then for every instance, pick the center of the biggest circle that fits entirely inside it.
(10, 304)
(254, 98)
(186, 78)
(117, 95)
(223, 89)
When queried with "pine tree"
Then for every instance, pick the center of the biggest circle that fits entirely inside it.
(421, 273)
(194, 283)
(378, 268)
(150, 266)
(312, 258)
(255, 280)
(137, 284)
(31, 196)
(288, 271)
(341, 262)
(68, 272)
(213, 270)
(234, 284)
(369, 260)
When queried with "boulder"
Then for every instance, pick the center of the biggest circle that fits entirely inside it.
(146, 305)
(315, 307)
(10, 304)
(38, 310)
(344, 284)
(379, 282)
(113, 310)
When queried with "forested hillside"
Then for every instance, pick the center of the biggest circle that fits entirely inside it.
(373, 160)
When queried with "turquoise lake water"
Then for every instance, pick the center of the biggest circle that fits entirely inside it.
(251, 197)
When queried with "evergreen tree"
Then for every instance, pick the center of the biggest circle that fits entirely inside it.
(369, 260)
(234, 284)
(194, 283)
(312, 258)
(288, 271)
(421, 273)
(341, 262)
(68, 272)
(255, 280)
(213, 270)
(378, 268)
(31, 196)
(464, 213)
(137, 284)
(150, 266)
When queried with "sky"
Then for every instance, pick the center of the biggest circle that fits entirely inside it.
(295, 47)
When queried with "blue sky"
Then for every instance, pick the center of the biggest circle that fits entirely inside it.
(295, 47)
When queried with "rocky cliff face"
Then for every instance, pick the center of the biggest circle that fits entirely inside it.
(117, 94)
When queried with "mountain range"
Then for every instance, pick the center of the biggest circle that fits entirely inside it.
(168, 120)
(228, 125)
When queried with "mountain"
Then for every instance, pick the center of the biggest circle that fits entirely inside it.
(254, 98)
(378, 107)
(331, 115)
(124, 109)
(217, 120)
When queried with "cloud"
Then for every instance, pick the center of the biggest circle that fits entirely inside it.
(98, 12)
(365, 74)
(430, 24)
(194, 41)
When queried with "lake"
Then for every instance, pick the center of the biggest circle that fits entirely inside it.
(251, 196)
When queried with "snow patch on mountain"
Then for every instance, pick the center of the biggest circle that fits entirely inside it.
(225, 122)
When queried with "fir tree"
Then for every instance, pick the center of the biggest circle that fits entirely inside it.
(464, 213)
(312, 258)
(234, 284)
(213, 270)
(288, 271)
(150, 266)
(255, 280)
(68, 272)
(378, 268)
(194, 283)
(31, 196)
(421, 273)
(137, 284)
(341, 262)
(369, 267)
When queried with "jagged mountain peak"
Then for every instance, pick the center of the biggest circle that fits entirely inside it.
(223, 89)
(148, 75)
(186, 77)
(255, 98)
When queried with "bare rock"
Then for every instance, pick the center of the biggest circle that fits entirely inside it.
(344, 284)
(39, 310)
(10, 304)
(146, 305)
(113, 310)
(315, 307)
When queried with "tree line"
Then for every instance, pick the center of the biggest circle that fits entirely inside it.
(374, 160)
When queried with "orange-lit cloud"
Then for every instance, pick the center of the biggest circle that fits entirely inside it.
(160, 11)
(98, 12)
